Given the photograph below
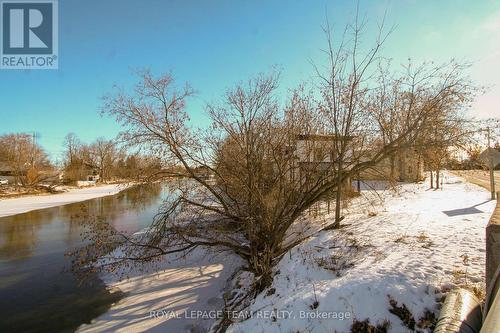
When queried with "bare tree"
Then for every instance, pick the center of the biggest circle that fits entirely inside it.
(72, 145)
(270, 163)
(106, 158)
(24, 158)
(344, 86)
(472, 160)
(103, 154)
(75, 167)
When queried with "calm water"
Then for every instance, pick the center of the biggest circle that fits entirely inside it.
(38, 293)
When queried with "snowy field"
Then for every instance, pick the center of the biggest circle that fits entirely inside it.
(406, 247)
(28, 203)
(409, 247)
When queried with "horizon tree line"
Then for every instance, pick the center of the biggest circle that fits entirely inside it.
(28, 165)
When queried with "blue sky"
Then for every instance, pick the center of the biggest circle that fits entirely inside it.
(213, 44)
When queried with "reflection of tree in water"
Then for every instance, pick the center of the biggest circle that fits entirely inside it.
(116, 210)
(142, 196)
(72, 214)
(107, 218)
(19, 233)
(137, 198)
(32, 261)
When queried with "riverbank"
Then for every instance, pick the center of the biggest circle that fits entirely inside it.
(408, 246)
(13, 206)
(390, 266)
(38, 290)
(178, 294)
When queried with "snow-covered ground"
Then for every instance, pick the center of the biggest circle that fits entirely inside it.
(28, 203)
(412, 247)
(177, 295)
(409, 246)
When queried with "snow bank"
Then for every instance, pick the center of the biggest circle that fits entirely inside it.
(411, 247)
(179, 294)
(25, 204)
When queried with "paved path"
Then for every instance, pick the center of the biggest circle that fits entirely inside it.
(482, 178)
(479, 177)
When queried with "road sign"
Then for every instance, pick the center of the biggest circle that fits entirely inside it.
(489, 155)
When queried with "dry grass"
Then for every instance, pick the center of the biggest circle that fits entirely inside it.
(346, 254)
(402, 313)
(364, 326)
(403, 239)
(428, 320)
(421, 239)
(335, 263)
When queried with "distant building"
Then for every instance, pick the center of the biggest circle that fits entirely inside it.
(5, 169)
(316, 151)
(44, 174)
(81, 174)
(92, 178)
(5, 173)
(317, 148)
(204, 173)
(405, 165)
(8, 173)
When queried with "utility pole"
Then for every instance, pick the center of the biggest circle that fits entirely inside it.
(32, 149)
(491, 166)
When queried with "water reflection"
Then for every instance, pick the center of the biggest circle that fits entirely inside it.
(37, 293)
(18, 236)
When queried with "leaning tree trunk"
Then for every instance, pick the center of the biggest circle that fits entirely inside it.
(261, 263)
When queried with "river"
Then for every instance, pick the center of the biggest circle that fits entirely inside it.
(38, 292)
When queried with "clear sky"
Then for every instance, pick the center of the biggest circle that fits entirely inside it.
(213, 44)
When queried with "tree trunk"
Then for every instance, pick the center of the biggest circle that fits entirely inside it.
(261, 262)
(393, 167)
(338, 195)
(437, 179)
(432, 179)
